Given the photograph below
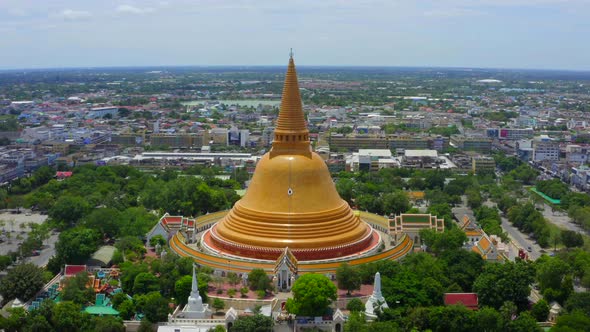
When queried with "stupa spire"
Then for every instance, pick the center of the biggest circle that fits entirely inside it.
(195, 285)
(194, 307)
(291, 131)
(376, 301)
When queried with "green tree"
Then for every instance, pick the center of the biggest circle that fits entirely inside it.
(14, 322)
(76, 289)
(67, 316)
(395, 203)
(499, 283)
(451, 318)
(103, 220)
(136, 221)
(348, 278)
(218, 304)
(312, 294)
(488, 320)
(38, 323)
(554, 277)
(416, 183)
(145, 282)
(258, 280)
(540, 310)
(107, 324)
(447, 240)
(146, 326)
(128, 273)
(575, 321)
(157, 239)
(474, 198)
(571, 239)
(256, 323)
(22, 282)
(461, 267)
(580, 302)
(67, 210)
(153, 305)
(182, 289)
(355, 305)
(5, 262)
(76, 245)
(524, 323)
(126, 309)
(233, 278)
(356, 323)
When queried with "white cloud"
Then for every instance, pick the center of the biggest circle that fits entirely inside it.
(128, 9)
(72, 15)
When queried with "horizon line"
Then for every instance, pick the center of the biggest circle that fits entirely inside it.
(282, 66)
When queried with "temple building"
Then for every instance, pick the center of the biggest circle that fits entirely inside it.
(291, 201)
(291, 220)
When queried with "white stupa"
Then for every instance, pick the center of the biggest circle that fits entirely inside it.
(376, 300)
(195, 308)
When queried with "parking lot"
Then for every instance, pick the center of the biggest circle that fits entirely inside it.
(14, 228)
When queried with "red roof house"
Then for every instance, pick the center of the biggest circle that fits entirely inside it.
(63, 175)
(469, 300)
(72, 270)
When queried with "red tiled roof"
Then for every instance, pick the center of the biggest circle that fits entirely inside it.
(63, 174)
(469, 300)
(171, 220)
(71, 270)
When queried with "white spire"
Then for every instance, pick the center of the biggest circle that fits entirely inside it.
(377, 287)
(195, 307)
(195, 287)
(376, 301)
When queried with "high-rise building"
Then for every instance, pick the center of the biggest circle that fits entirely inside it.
(545, 148)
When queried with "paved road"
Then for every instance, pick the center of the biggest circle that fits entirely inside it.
(47, 252)
(520, 240)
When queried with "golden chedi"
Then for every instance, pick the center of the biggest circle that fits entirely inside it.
(291, 201)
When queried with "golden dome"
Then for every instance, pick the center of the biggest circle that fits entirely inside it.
(292, 200)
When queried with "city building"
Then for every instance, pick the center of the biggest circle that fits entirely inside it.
(418, 142)
(372, 160)
(101, 112)
(580, 177)
(268, 134)
(218, 136)
(483, 164)
(356, 142)
(514, 133)
(238, 137)
(182, 141)
(128, 139)
(577, 154)
(477, 144)
(420, 159)
(545, 148)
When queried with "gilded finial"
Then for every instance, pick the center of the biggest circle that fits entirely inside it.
(291, 53)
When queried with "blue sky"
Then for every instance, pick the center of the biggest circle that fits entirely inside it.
(543, 34)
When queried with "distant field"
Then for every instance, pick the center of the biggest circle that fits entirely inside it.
(245, 102)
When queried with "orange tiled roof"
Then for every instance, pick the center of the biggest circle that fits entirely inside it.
(484, 243)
